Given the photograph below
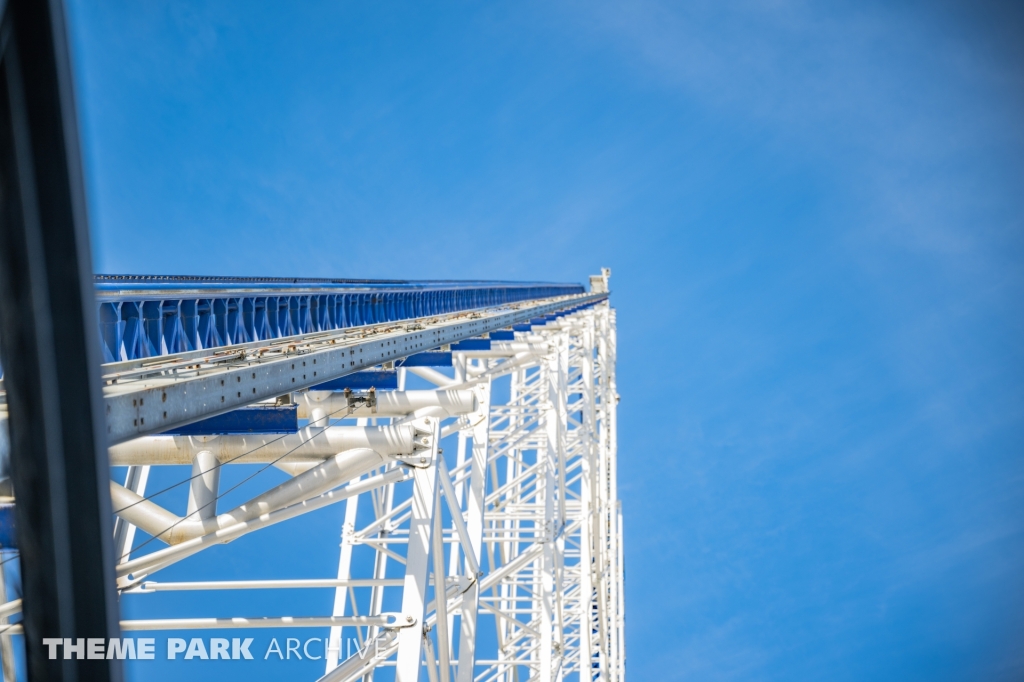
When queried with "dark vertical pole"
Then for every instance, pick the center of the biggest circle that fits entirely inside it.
(49, 341)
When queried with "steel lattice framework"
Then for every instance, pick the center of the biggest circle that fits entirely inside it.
(499, 560)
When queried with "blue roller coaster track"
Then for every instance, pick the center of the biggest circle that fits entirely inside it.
(144, 316)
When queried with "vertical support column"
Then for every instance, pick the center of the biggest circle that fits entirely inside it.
(555, 374)
(509, 523)
(600, 517)
(460, 459)
(204, 487)
(380, 566)
(51, 353)
(615, 513)
(414, 588)
(459, 361)
(553, 392)
(587, 485)
(620, 604)
(561, 399)
(610, 576)
(348, 529)
(441, 622)
(318, 416)
(481, 420)
(548, 461)
(124, 532)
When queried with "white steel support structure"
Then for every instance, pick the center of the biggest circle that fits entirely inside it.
(525, 540)
(481, 538)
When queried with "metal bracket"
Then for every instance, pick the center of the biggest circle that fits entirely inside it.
(356, 400)
(397, 621)
(421, 457)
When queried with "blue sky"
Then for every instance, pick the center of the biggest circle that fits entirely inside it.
(813, 214)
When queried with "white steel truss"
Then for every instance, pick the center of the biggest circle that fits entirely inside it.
(523, 526)
(499, 561)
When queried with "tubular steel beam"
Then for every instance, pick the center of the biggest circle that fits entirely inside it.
(51, 351)
(389, 620)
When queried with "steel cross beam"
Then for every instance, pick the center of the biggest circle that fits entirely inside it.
(150, 396)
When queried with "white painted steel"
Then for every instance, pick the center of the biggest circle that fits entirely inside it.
(423, 506)
(204, 488)
(311, 444)
(389, 620)
(10, 608)
(152, 586)
(545, 463)
(173, 530)
(135, 480)
(434, 377)
(516, 532)
(146, 565)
